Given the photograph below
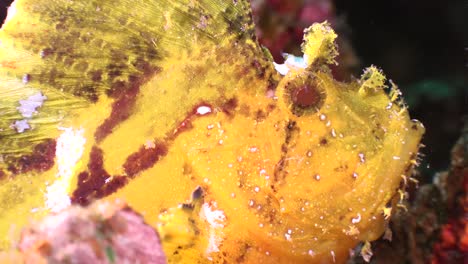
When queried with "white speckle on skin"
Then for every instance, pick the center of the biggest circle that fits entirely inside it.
(70, 147)
(216, 220)
(28, 107)
(362, 158)
(57, 197)
(356, 219)
(21, 125)
(149, 144)
(253, 149)
(203, 110)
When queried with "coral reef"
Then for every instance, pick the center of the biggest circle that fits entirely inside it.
(452, 245)
(101, 233)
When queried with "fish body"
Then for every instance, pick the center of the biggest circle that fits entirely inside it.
(146, 101)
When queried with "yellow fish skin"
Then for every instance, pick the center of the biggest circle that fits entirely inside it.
(146, 101)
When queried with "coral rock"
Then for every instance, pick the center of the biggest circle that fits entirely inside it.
(102, 233)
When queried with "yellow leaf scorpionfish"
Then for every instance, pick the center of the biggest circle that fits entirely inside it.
(175, 108)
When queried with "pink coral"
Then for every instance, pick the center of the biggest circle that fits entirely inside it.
(102, 233)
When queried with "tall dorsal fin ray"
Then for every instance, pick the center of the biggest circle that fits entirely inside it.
(90, 46)
(74, 52)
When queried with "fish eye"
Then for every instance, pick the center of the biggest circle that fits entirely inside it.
(302, 94)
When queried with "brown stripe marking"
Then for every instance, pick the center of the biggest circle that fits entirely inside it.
(281, 172)
(186, 124)
(121, 110)
(144, 159)
(229, 107)
(126, 96)
(41, 159)
(97, 183)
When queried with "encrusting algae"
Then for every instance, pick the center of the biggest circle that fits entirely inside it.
(152, 102)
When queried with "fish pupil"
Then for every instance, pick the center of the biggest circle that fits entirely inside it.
(305, 96)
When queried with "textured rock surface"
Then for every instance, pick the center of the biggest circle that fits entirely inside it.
(102, 233)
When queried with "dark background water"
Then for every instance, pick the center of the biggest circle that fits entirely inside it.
(421, 46)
